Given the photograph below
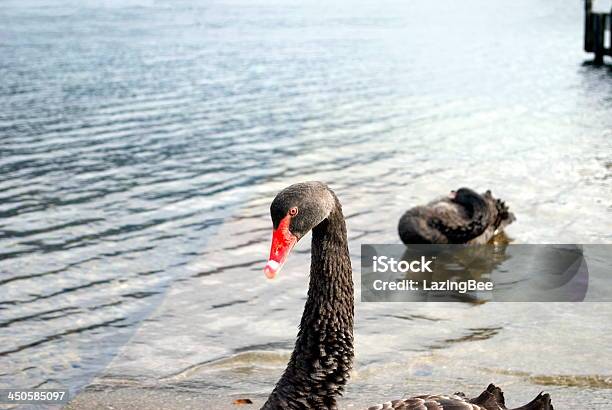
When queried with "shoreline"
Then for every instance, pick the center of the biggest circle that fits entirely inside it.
(156, 399)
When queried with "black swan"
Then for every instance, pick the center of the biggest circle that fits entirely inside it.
(322, 358)
(463, 217)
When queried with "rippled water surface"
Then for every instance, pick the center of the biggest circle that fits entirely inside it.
(141, 143)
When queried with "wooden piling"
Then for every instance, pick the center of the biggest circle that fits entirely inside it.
(595, 25)
(598, 34)
(588, 33)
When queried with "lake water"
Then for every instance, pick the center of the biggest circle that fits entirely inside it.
(141, 143)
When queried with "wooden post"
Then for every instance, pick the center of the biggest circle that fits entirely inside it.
(588, 26)
(599, 29)
(595, 30)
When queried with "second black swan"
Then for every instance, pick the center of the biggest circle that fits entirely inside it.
(322, 358)
(463, 217)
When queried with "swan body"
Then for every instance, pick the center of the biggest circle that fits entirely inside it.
(490, 399)
(464, 217)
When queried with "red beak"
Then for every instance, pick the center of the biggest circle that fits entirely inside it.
(282, 243)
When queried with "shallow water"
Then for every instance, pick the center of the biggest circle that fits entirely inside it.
(142, 142)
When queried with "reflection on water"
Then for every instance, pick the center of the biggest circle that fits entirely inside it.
(458, 264)
(142, 142)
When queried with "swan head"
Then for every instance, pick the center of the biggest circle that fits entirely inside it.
(295, 211)
(465, 196)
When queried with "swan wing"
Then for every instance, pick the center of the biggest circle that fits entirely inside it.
(430, 402)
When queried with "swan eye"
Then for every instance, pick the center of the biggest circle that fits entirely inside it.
(293, 211)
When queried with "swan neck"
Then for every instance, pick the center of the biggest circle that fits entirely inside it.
(323, 354)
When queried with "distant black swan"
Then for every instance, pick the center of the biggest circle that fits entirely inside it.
(323, 354)
(463, 217)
